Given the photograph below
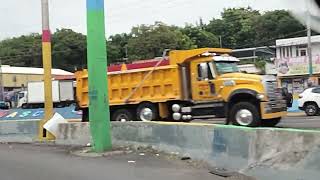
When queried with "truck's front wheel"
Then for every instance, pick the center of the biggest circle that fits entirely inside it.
(244, 114)
(85, 115)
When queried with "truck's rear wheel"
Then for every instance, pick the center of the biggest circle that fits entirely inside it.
(122, 115)
(147, 112)
(270, 122)
(85, 115)
(245, 114)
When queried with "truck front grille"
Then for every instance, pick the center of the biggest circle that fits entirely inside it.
(273, 92)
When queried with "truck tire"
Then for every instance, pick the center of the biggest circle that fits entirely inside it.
(244, 114)
(122, 115)
(270, 122)
(147, 112)
(311, 109)
(85, 115)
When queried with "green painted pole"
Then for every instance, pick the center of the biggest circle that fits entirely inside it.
(99, 114)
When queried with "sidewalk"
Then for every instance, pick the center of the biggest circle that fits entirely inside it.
(296, 114)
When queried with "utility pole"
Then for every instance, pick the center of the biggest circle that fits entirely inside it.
(2, 98)
(99, 114)
(220, 41)
(47, 65)
(309, 48)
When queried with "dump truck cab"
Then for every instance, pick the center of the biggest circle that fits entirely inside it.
(189, 84)
(215, 86)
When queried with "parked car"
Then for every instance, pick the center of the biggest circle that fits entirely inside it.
(309, 101)
(4, 105)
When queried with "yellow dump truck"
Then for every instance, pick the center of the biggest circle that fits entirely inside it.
(188, 85)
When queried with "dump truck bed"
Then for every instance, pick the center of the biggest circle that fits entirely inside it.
(162, 85)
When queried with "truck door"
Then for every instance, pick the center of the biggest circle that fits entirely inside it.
(204, 84)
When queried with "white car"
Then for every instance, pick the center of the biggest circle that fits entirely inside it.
(309, 101)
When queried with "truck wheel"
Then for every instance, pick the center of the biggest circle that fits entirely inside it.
(122, 115)
(85, 115)
(147, 112)
(245, 114)
(311, 109)
(270, 122)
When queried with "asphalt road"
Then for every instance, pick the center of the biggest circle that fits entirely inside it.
(300, 122)
(27, 162)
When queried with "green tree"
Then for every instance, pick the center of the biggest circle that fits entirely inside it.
(201, 38)
(236, 27)
(69, 50)
(149, 41)
(277, 24)
(21, 51)
(117, 47)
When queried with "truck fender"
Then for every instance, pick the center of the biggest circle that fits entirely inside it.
(235, 93)
(242, 91)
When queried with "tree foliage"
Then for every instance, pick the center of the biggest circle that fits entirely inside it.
(237, 27)
(200, 37)
(150, 41)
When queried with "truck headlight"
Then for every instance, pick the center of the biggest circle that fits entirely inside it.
(176, 108)
(260, 96)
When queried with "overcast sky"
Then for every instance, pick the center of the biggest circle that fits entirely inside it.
(19, 17)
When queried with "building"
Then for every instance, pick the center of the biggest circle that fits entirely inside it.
(264, 52)
(292, 63)
(13, 78)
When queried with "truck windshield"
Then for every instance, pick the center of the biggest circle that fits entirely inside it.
(226, 67)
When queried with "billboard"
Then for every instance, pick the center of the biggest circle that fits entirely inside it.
(297, 66)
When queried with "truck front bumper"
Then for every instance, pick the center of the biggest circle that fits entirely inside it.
(273, 109)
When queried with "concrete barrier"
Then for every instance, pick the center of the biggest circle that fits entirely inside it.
(264, 153)
(19, 131)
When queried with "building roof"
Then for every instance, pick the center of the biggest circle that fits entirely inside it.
(5, 69)
(249, 68)
(297, 41)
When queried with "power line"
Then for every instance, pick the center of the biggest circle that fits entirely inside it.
(31, 55)
(272, 39)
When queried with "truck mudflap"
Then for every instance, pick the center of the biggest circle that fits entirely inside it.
(273, 109)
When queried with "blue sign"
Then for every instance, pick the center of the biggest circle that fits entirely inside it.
(25, 114)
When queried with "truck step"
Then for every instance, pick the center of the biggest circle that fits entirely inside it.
(203, 106)
(204, 117)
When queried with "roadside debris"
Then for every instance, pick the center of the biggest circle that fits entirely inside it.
(185, 158)
(229, 175)
(222, 172)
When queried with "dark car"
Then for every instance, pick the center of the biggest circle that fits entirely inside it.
(288, 97)
(3, 105)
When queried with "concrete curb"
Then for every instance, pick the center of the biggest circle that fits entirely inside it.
(24, 131)
(263, 152)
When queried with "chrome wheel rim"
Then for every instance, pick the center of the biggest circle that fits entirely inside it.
(146, 114)
(122, 118)
(244, 117)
